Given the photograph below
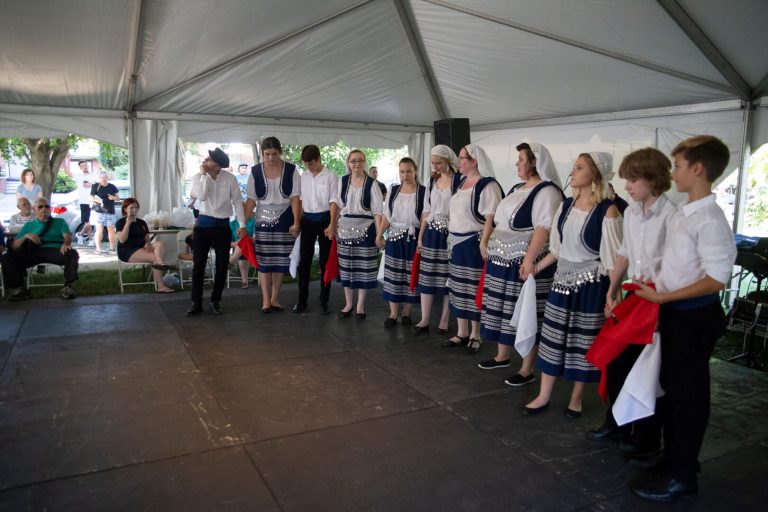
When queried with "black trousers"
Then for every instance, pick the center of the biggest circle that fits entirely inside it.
(312, 231)
(219, 238)
(687, 340)
(645, 432)
(16, 263)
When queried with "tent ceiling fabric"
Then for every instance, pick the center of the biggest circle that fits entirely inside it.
(493, 61)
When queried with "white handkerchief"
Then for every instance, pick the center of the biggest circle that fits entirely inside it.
(524, 317)
(380, 277)
(295, 256)
(637, 398)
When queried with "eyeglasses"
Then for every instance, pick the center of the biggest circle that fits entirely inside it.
(357, 161)
(465, 158)
(43, 206)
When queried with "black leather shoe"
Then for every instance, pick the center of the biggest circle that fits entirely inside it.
(326, 310)
(605, 433)
(406, 320)
(194, 310)
(345, 314)
(215, 308)
(533, 411)
(664, 489)
(389, 322)
(298, 307)
(571, 414)
(360, 316)
(420, 330)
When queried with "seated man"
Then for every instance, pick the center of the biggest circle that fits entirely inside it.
(43, 240)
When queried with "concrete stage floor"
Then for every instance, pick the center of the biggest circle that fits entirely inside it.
(121, 403)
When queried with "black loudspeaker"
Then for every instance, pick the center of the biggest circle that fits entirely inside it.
(454, 133)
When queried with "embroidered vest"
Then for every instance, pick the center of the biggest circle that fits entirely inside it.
(477, 190)
(365, 201)
(592, 232)
(260, 180)
(523, 220)
(420, 191)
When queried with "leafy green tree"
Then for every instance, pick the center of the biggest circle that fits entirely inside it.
(333, 157)
(43, 156)
(114, 158)
(64, 183)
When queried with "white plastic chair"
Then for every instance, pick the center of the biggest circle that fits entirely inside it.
(189, 264)
(148, 277)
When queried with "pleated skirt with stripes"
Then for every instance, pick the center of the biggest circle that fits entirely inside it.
(464, 270)
(433, 267)
(500, 293)
(571, 323)
(358, 266)
(274, 244)
(398, 260)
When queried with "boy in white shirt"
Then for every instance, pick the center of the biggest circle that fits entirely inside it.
(647, 176)
(699, 252)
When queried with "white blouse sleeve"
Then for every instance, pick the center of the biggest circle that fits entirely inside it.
(554, 234)
(377, 200)
(387, 210)
(610, 242)
(427, 202)
(296, 192)
(490, 198)
(623, 251)
(544, 206)
(335, 192)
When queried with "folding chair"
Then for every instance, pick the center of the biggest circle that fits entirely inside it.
(148, 278)
(48, 266)
(183, 264)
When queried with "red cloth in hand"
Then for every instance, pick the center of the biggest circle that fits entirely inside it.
(415, 272)
(634, 322)
(246, 247)
(332, 265)
(480, 285)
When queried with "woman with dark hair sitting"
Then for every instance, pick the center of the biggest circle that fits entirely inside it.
(133, 245)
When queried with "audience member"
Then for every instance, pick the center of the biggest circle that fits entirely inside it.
(104, 195)
(373, 172)
(28, 188)
(43, 240)
(134, 246)
(25, 214)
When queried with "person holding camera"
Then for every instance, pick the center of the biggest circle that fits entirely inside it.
(43, 240)
(103, 195)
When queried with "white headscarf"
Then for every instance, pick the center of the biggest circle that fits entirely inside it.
(604, 163)
(446, 152)
(483, 162)
(544, 164)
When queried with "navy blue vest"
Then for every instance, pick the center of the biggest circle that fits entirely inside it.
(523, 220)
(476, 191)
(366, 199)
(456, 182)
(260, 181)
(592, 232)
(420, 191)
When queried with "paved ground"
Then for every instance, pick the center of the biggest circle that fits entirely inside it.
(120, 403)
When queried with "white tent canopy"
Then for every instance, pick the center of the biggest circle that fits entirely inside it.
(379, 72)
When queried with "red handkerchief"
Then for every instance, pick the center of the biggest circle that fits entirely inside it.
(332, 265)
(480, 285)
(246, 247)
(415, 272)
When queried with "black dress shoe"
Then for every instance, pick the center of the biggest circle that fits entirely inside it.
(266, 310)
(605, 433)
(664, 489)
(215, 308)
(298, 307)
(442, 331)
(571, 414)
(360, 316)
(461, 342)
(420, 330)
(406, 320)
(389, 322)
(325, 309)
(533, 411)
(194, 310)
(277, 309)
(345, 314)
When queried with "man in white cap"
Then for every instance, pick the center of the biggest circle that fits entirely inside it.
(218, 193)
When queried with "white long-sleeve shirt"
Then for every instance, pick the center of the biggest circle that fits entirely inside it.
(318, 192)
(219, 196)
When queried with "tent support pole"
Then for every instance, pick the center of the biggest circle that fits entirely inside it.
(411, 30)
(745, 151)
(134, 56)
(586, 47)
(710, 51)
(249, 54)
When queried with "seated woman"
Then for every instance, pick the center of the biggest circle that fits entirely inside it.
(133, 245)
(25, 215)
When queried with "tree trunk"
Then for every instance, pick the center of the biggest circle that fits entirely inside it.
(46, 161)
